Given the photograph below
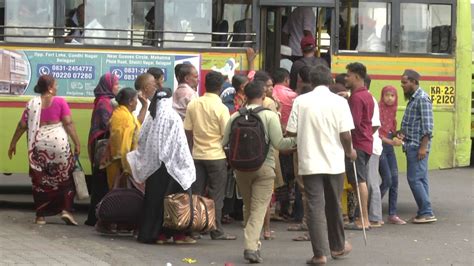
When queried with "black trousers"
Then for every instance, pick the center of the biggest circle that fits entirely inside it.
(98, 189)
(157, 186)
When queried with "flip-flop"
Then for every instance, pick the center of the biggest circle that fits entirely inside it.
(298, 227)
(353, 226)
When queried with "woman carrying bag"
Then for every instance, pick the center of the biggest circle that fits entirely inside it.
(164, 163)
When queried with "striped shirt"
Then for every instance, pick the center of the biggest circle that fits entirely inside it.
(418, 119)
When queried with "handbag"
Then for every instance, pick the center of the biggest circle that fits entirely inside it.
(100, 147)
(120, 205)
(188, 212)
(80, 180)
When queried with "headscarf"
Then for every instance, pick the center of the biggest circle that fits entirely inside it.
(162, 140)
(388, 113)
(104, 87)
(102, 110)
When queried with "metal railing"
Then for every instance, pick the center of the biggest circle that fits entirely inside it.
(132, 36)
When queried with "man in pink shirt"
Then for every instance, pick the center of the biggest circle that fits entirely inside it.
(188, 80)
(283, 94)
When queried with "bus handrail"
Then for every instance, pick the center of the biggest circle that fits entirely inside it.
(253, 34)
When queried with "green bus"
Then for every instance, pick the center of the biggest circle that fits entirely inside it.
(123, 37)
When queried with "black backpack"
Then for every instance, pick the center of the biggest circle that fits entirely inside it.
(247, 148)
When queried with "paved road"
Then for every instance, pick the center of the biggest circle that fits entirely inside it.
(447, 242)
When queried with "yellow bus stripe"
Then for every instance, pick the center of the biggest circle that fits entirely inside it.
(394, 59)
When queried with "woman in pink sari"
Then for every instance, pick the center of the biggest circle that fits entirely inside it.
(47, 119)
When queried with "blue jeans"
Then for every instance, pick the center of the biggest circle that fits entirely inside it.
(388, 171)
(417, 175)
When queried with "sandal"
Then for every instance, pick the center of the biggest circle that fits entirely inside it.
(317, 260)
(225, 237)
(304, 237)
(40, 220)
(298, 227)
(183, 240)
(267, 235)
(226, 219)
(394, 219)
(67, 218)
(343, 253)
(353, 226)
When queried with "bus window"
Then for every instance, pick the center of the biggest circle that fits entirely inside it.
(74, 20)
(32, 19)
(187, 23)
(238, 15)
(364, 26)
(143, 22)
(108, 14)
(425, 28)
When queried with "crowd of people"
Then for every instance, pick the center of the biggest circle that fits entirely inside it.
(317, 134)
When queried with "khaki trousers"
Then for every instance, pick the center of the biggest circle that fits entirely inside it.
(256, 189)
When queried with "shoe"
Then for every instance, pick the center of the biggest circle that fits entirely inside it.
(394, 219)
(343, 253)
(183, 240)
(67, 218)
(253, 256)
(40, 220)
(317, 260)
(424, 219)
(224, 237)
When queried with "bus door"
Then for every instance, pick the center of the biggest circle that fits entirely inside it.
(276, 29)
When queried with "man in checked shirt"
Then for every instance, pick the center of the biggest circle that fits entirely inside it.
(416, 132)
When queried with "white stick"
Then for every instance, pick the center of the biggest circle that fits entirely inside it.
(360, 205)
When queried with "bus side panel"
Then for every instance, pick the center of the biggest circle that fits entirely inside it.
(9, 117)
(438, 81)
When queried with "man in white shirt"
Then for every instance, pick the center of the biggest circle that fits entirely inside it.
(146, 87)
(322, 122)
(301, 22)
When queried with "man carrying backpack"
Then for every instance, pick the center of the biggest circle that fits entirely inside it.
(251, 135)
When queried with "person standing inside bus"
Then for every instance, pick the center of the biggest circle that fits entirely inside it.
(321, 122)
(47, 119)
(416, 132)
(361, 104)
(76, 20)
(104, 93)
(308, 48)
(188, 80)
(301, 23)
(205, 121)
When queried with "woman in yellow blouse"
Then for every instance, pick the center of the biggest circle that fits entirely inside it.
(124, 129)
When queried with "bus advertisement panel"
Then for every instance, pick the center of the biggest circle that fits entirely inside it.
(78, 72)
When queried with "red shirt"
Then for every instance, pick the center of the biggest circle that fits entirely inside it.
(362, 109)
(285, 97)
